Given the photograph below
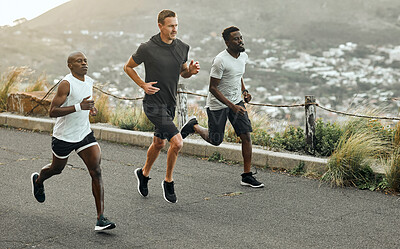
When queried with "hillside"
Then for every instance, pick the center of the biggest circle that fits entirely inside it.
(43, 42)
(276, 32)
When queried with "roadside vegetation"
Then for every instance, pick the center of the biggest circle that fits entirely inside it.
(353, 147)
(9, 82)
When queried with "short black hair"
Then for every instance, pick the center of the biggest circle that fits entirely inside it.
(226, 33)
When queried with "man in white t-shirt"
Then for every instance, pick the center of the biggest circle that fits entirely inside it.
(224, 101)
(71, 106)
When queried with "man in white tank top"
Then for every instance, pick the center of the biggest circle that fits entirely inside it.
(71, 106)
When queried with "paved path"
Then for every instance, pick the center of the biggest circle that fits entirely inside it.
(290, 212)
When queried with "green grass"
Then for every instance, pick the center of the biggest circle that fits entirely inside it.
(131, 118)
(351, 161)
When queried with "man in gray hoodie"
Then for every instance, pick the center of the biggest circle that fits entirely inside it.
(165, 58)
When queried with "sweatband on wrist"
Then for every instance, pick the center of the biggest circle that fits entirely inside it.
(245, 90)
(78, 107)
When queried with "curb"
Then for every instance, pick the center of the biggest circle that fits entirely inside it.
(195, 147)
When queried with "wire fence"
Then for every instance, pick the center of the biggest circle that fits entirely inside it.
(316, 104)
(255, 104)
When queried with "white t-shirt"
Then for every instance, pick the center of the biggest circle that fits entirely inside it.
(230, 71)
(75, 126)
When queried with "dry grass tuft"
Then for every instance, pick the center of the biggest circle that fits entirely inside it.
(102, 104)
(9, 82)
(392, 170)
(40, 84)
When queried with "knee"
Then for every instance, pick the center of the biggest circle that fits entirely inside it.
(57, 171)
(95, 173)
(246, 138)
(176, 145)
(159, 144)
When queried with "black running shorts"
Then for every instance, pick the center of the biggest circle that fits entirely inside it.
(62, 149)
(162, 117)
(217, 121)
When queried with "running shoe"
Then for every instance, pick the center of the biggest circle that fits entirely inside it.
(249, 180)
(187, 128)
(104, 224)
(37, 189)
(142, 182)
(168, 191)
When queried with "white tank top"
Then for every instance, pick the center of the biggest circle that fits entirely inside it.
(75, 126)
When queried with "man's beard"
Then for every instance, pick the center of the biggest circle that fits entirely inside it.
(240, 49)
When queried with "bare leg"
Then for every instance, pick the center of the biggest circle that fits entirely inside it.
(54, 168)
(152, 154)
(92, 158)
(176, 144)
(203, 132)
(246, 151)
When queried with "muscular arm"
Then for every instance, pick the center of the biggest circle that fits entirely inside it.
(62, 92)
(55, 108)
(131, 72)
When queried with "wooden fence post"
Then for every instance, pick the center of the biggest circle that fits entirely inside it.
(311, 114)
(181, 105)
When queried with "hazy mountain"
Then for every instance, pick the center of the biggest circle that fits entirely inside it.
(110, 31)
(44, 42)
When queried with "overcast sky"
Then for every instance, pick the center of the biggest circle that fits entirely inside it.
(11, 10)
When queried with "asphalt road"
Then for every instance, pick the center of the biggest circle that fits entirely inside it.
(290, 212)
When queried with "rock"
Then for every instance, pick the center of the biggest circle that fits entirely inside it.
(24, 102)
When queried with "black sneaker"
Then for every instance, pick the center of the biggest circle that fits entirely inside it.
(37, 189)
(249, 180)
(103, 224)
(168, 191)
(142, 182)
(187, 128)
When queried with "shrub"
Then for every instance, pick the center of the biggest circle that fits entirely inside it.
(131, 119)
(396, 135)
(372, 126)
(142, 122)
(350, 162)
(261, 137)
(124, 118)
(292, 139)
(327, 136)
